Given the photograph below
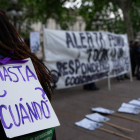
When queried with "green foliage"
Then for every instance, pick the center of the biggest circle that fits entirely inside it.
(135, 15)
(5, 4)
(41, 10)
(106, 8)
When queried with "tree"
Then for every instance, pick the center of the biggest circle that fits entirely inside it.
(127, 24)
(125, 7)
(41, 11)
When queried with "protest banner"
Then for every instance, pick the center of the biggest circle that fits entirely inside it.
(24, 106)
(34, 41)
(77, 58)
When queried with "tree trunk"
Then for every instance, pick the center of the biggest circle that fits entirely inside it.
(127, 22)
(125, 7)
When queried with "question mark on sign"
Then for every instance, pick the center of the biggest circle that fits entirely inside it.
(43, 93)
(5, 93)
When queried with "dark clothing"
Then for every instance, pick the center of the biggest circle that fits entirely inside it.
(133, 66)
(54, 135)
(138, 60)
(134, 52)
(3, 135)
(134, 55)
(90, 86)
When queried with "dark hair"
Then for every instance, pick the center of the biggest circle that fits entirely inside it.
(10, 40)
(27, 42)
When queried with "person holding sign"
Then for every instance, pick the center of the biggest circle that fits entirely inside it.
(14, 50)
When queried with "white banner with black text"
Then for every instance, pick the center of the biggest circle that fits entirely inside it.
(78, 58)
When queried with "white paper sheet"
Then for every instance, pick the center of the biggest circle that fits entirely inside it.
(103, 110)
(128, 110)
(135, 102)
(34, 41)
(97, 117)
(130, 106)
(88, 124)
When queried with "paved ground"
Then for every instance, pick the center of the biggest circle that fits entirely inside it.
(71, 105)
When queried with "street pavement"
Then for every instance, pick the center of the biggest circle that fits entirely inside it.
(72, 104)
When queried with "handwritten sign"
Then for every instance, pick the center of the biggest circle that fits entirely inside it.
(24, 106)
(77, 58)
(34, 41)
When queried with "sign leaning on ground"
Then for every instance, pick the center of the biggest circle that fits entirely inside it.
(34, 41)
(24, 106)
(77, 58)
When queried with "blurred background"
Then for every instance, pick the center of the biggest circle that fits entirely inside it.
(117, 16)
